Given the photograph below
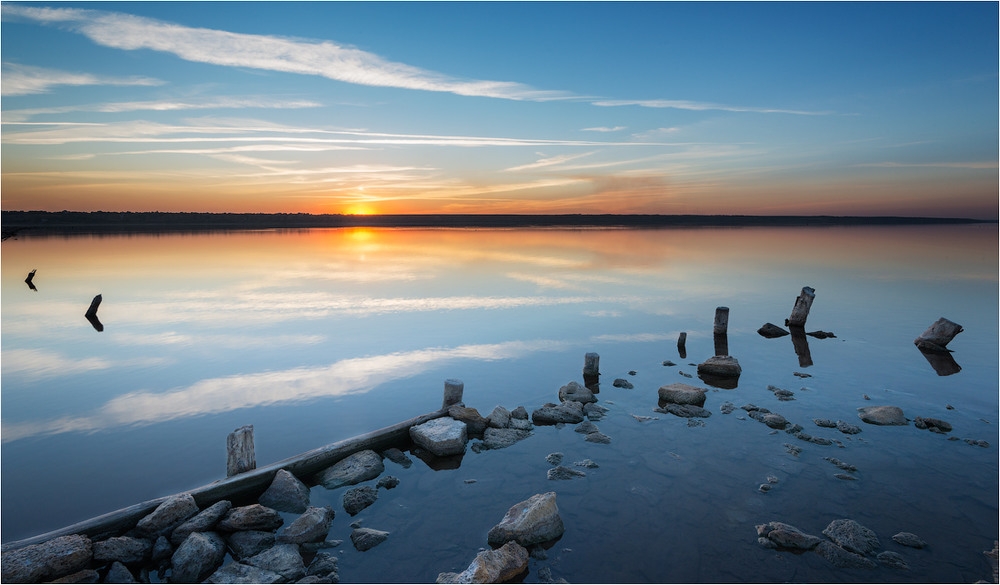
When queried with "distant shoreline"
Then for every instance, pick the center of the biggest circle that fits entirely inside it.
(69, 222)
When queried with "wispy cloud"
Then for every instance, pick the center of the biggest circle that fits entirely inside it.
(547, 162)
(604, 129)
(162, 106)
(28, 80)
(271, 53)
(947, 165)
(700, 106)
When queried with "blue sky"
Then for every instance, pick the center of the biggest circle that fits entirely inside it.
(529, 107)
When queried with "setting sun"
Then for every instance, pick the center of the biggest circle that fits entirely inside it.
(360, 210)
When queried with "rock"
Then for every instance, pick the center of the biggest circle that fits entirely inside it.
(594, 411)
(312, 526)
(622, 383)
(852, 536)
(168, 515)
(643, 418)
(685, 374)
(475, 423)
(252, 517)
(576, 392)
(366, 538)
(845, 476)
(162, 549)
(240, 573)
(782, 394)
(792, 449)
(48, 560)
(520, 424)
(249, 542)
(727, 407)
(679, 393)
(388, 482)
(285, 494)
(118, 573)
(845, 466)
(787, 536)
(323, 565)
(598, 437)
(441, 436)
(125, 549)
(586, 427)
(770, 331)
(496, 566)
(586, 463)
(977, 442)
(685, 410)
(563, 472)
(698, 423)
(932, 424)
(775, 421)
(500, 438)
(882, 415)
(842, 558)
(398, 457)
(84, 576)
(764, 487)
(825, 423)
(359, 498)
(197, 557)
(721, 366)
(669, 363)
(821, 334)
(519, 413)
(893, 560)
(909, 539)
(529, 522)
(359, 467)
(847, 428)
(499, 418)
(203, 521)
(570, 411)
(283, 559)
(554, 458)
(811, 439)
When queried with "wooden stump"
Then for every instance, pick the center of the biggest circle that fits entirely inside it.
(453, 390)
(239, 447)
(801, 309)
(721, 321)
(591, 364)
(938, 335)
(681, 342)
(721, 344)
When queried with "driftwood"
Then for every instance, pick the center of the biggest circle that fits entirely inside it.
(801, 309)
(938, 335)
(239, 451)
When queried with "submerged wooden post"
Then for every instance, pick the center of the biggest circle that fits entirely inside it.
(591, 364)
(721, 321)
(801, 309)
(239, 447)
(92, 311)
(938, 335)
(453, 390)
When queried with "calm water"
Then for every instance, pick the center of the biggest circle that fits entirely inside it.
(315, 336)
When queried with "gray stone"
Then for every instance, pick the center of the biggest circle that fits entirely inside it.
(496, 566)
(549, 414)
(283, 559)
(882, 415)
(852, 536)
(398, 457)
(521, 424)
(475, 423)
(848, 428)
(250, 542)
(811, 439)
(932, 424)
(519, 413)
(586, 463)
(842, 558)
(500, 438)
(203, 521)
(727, 407)
(554, 458)
(845, 466)
(787, 536)
(622, 383)
(323, 564)
(770, 331)
(825, 423)
(48, 560)
(909, 539)
(764, 487)
(775, 421)
(197, 557)
(499, 418)
(285, 494)
(441, 436)
(680, 393)
(388, 482)
(168, 515)
(313, 525)
(358, 498)
(563, 472)
(893, 560)
(598, 437)
(529, 522)
(252, 517)
(119, 573)
(721, 365)
(84, 576)
(685, 411)
(126, 549)
(367, 538)
(693, 422)
(594, 411)
(240, 573)
(359, 467)
(576, 392)
(586, 427)
(162, 549)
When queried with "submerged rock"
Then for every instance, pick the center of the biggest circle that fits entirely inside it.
(594, 411)
(570, 411)
(500, 438)
(359, 498)
(848, 428)
(680, 393)
(529, 522)
(586, 427)
(359, 467)
(622, 383)
(852, 536)
(932, 424)
(576, 392)
(770, 331)
(598, 437)
(285, 494)
(441, 436)
(840, 557)
(398, 457)
(783, 535)
(563, 472)
(312, 526)
(893, 560)
(909, 539)
(882, 415)
(367, 538)
(48, 560)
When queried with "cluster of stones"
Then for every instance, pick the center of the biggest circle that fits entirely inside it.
(533, 523)
(848, 544)
(448, 436)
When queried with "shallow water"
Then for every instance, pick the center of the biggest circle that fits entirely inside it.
(318, 335)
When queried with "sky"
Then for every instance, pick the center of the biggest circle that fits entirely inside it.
(788, 108)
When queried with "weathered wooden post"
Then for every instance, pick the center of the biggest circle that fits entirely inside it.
(92, 311)
(721, 321)
(681, 347)
(591, 364)
(453, 390)
(938, 335)
(801, 309)
(801, 346)
(239, 448)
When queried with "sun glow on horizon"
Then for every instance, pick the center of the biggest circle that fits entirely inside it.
(360, 209)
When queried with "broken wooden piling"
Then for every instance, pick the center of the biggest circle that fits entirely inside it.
(94, 304)
(240, 451)
(938, 335)
(591, 364)
(721, 321)
(31, 276)
(800, 311)
(453, 390)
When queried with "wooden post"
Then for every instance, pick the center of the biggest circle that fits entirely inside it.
(591, 364)
(31, 276)
(239, 447)
(801, 309)
(681, 340)
(938, 335)
(721, 321)
(453, 390)
(92, 311)
(801, 346)
(721, 344)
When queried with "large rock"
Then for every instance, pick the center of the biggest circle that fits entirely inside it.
(576, 392)
(492, 566)
(684, 410)
(285, 494)
(324, 565)
(49, 560)
(882, 415)
(529, 522)
(842, 558)
(358, 498)
(519, 413)
(84, 576)
(570, 411)
(475, 423)
(499, 418)
(240, 573)
(283, 559)
(197, 557)
(252, 517)
(441, 436)
(250, 542)
(594, 411)
(366, 538)
(168, 515)
(203, 521)
(679, 393)
(359, 467)
(313, 525)
(722, 366)
(909, 539)
(500, 438)
(119, 573)
(787, 536)
(775, 421)
(125, 549)
(852, 536)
